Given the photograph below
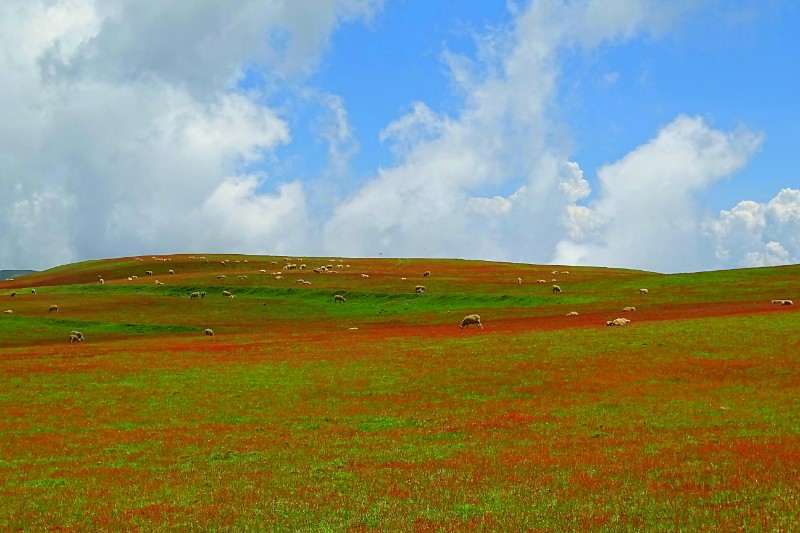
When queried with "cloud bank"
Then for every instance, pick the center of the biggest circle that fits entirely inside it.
(123, 132)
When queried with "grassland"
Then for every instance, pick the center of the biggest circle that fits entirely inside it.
(289, 419)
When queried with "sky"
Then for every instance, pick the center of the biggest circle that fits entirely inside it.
(648, 134)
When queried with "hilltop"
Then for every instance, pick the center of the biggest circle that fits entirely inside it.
(6, 274)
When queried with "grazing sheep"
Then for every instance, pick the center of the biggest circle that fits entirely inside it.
(300, 281)
(209, 332)
(53, 308)
(617, 322)
(171, 271)
(519, 281)
(33, 291)
(159, 282)
(471, 319)
(77, 334)
(303, 266)
(554, 271)
(364, 275)
(263, 271)
(420, 289)
(130, 278)
(232, 296)
(194, 295)
(572, 313)
(565, 271)
(13, 294)
(629, 308)
(338, 298)
(202, 295)
(135, 277)
(148, 273)
(787, 302)
(243, 277)
(278, 277)
(306, 282)
(102, 281)
(221, 276)
(643, 291)
(556, 288)
(426, 273)
(226, 293)
(541, 281)
(403, 279)
(8, 311)
(74, 338)
(777, 302)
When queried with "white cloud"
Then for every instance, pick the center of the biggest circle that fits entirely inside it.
(119, 132)
(645, 215)
(758, 234)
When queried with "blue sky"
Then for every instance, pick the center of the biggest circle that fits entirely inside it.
(647, 134)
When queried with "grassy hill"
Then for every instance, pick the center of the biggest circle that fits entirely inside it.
(381, 413)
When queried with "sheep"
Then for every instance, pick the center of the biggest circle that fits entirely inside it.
(426, 273)
(519, 281)
(53, 308)
(226, 293)
(572, 313)
(306, 282)
(242, 277)
(364, 275)
(471, 319)
(780, 302)
(402, 279)
(263, 271)
(159, 282)
(202, 295)
(135, 277)
(77, 334)
(8, 311)
(33, 291)
(13, 294)
(232, 296)
(629, 308)
(565, 271)
(102, 281)
(209, 332)
(338, 298)
(74, 338)
(300, 281)
(130, 278)
(148, 273)
(554, 271)
(303, 266)
(221, 276)
(420, 289)
(171, 271)
(643, 291)
(617, 322)
(278, 277)
(787, 302)
(194, 295)
(556, 288)
(541, 281)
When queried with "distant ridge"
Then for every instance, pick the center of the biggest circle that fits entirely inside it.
(8, 274)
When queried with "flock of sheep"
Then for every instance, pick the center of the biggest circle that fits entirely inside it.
(469, 320)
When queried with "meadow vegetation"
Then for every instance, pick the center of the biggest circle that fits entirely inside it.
(381, 414)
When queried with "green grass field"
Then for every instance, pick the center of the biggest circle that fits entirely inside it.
(381, 414)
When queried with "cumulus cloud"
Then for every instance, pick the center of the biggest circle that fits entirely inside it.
(644, 215)
(758, 234)
(441, 197)
(120, 131)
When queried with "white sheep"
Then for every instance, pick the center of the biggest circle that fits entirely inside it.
(77, 334)
(243, 277)
(364, 275)
(74, 338)
(232, 296)
(33, 291)
(102, 281)
(226, 293)
(420, 289)
(148, 273)
(202, 295)
(426, 273)
(629, 308)
(221, 276)
(541, 281)
(159, 282)
(8, 311)
(643, 291)
(556, 288)
(519, 281)
(471, 319)
(617, 322)
(572, 313)
(194, 295)
(787, 302)
(300, 281)
(278, 277)
(130, 278)
(171, 271)
(209, 332)
(338, 298)
(53, 308)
